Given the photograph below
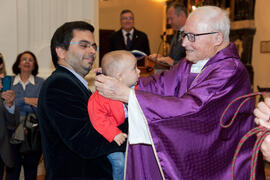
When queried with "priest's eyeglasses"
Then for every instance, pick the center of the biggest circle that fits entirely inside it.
(192, 37)
(85, 44)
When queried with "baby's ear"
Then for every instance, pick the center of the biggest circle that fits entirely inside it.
(118, 76)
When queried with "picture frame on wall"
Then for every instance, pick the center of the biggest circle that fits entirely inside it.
(265, 46)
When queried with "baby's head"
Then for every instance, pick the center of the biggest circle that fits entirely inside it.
(122, 65)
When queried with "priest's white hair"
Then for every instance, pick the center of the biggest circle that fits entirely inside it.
(216, 18)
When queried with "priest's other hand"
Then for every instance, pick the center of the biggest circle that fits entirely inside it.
(262, 113)
(112, 88)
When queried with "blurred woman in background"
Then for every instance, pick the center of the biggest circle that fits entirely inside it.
(26, 86)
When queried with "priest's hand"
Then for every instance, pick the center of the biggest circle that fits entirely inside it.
(120, 138)
(112, 88)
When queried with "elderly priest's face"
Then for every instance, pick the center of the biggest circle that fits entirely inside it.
(201, 46)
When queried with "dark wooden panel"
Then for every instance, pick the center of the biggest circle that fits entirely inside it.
(104, 37)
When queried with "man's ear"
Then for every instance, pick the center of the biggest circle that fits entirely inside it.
(61, 53)
(219, 38)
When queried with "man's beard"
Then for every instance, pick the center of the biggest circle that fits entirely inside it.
(87, 69)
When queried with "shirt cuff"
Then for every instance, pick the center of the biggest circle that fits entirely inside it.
(10, 109)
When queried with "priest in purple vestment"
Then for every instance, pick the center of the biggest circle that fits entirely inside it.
(174, 130)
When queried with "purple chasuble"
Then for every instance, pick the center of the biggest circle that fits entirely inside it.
(184, 123)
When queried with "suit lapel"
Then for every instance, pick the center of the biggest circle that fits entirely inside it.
(71, 76)
(134, 38)
(121, 39)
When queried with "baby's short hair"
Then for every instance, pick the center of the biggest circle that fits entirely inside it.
(114, 62)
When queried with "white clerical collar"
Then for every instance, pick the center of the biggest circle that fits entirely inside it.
(18, 79)
(125, 32)
(197, 68)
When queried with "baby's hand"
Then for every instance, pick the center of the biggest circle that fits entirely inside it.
(120, 138)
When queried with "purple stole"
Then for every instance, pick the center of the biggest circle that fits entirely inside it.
(191, 77)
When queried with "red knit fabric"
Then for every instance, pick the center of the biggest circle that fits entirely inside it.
(106, 115)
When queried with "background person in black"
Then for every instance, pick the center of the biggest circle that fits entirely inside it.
(129, 38)
(72, 148)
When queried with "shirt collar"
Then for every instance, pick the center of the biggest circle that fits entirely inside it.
(83, 81)
(125, 32)
(197, 67)
(18, 79)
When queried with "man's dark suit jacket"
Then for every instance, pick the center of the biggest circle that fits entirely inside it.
(139, 42)
(72, 148)
(177, 51)
(5, 149)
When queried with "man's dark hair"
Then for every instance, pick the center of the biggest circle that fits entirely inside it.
(179, 7)
(64, 34)
(15, 68)
(126, 11)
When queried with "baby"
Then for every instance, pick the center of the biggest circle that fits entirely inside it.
(106, 114)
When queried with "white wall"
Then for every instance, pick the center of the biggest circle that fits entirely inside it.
(30, 24)
(8, 31)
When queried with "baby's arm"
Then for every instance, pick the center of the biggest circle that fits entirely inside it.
(120, 138)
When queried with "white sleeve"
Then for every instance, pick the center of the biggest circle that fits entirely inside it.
(138, 131)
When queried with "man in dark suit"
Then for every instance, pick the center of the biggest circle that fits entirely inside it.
(176, 16)
(9, 119)
(129, 38)
(8, 122)
(72, 148)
